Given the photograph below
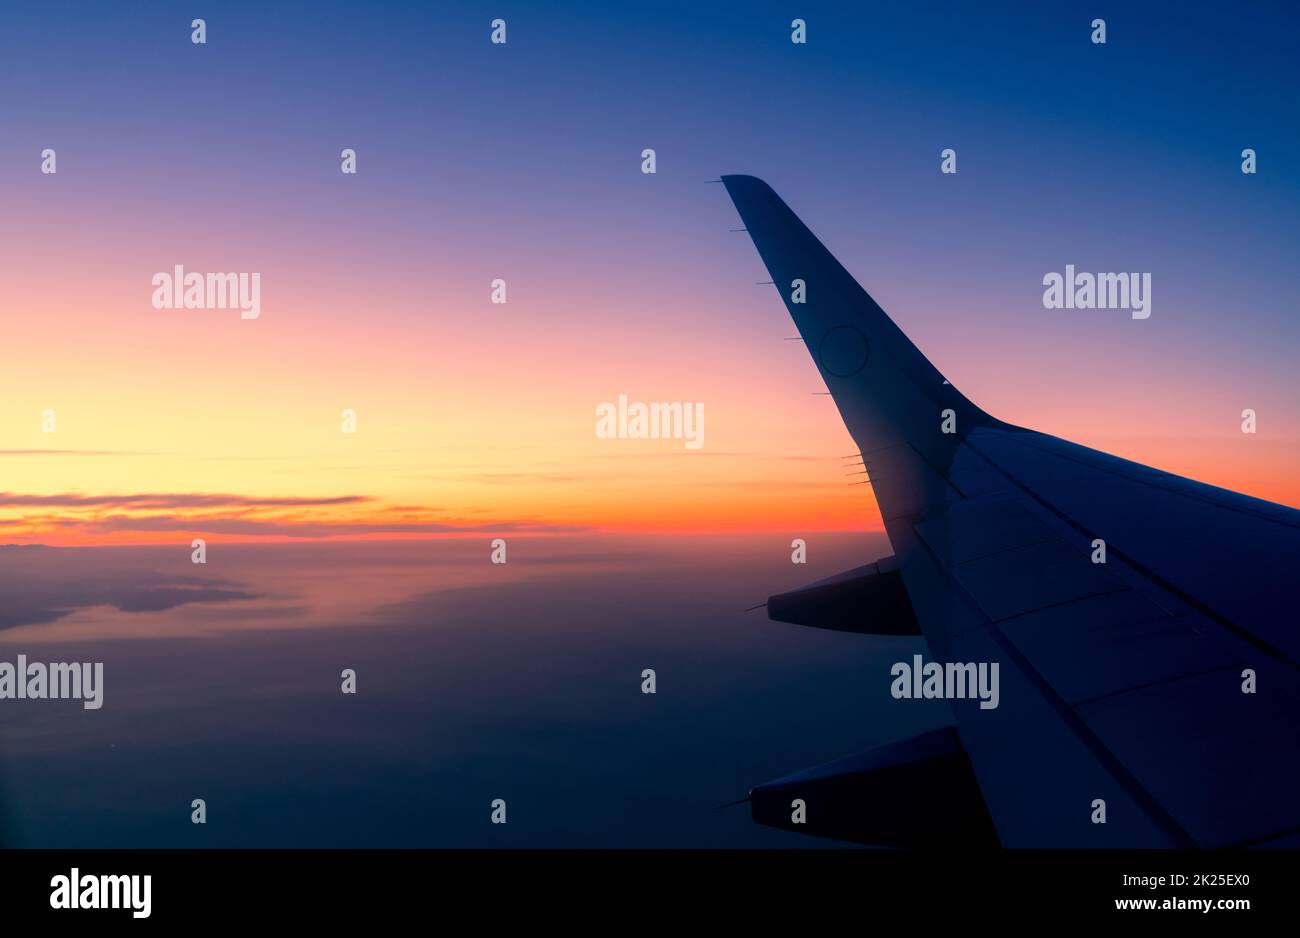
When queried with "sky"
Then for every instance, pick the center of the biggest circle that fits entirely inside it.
(522, 161)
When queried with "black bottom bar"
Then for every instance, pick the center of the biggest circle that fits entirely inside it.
(379, 888)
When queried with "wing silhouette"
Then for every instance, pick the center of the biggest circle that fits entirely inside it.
(1121, 682)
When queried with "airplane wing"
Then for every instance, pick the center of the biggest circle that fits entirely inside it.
(1158, 689)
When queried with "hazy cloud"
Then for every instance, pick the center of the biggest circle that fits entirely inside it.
(176, 500)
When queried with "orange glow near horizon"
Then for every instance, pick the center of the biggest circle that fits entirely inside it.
(612, 486)
(479, 420)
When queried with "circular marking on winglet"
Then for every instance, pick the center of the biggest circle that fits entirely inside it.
(844, 351)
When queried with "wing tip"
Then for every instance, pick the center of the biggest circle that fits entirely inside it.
(744, 181)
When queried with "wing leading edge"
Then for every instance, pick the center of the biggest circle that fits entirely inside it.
(1123, 683)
